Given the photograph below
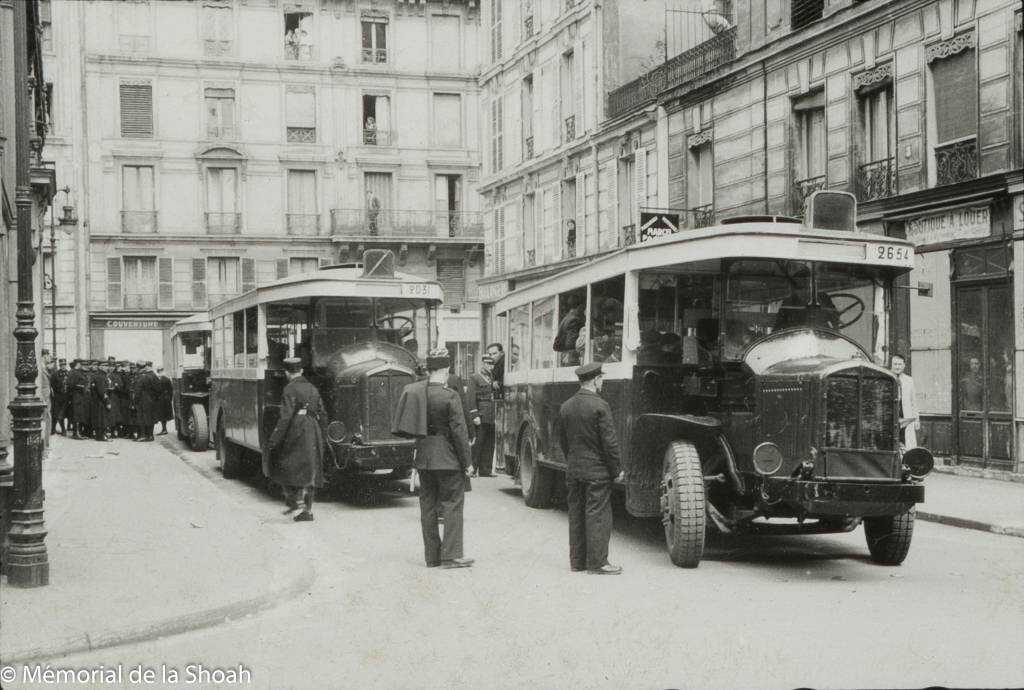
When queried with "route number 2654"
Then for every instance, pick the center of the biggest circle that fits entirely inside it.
(891, 253)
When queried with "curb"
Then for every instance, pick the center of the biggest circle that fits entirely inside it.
(86, 641)
(967, 523)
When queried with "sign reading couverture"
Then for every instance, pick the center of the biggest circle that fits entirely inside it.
(657, 225)
(955, 224)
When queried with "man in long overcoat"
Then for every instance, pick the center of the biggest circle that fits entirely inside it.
(298, 442)
(481, 413)
(78, 386)
(101, 385)
(586, 434)
(165, 411)
(59, 393)
(432, 413)
(145, 392)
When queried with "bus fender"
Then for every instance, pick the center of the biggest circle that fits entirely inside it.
(654, 431)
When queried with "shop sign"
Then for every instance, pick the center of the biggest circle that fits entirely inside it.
(657, 225)
(955, 224)
(121, 324)
(491, 292)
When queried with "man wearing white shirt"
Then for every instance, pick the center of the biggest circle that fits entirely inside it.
(910, 422)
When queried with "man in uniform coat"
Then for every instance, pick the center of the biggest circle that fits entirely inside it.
(432, 413)
(586, 434)
(101, 385)
(78, 386)
(116, 416)
(60, 393)
(147, 394)
(165, 411)
(481, 402)
(131, 415)
(297, 444)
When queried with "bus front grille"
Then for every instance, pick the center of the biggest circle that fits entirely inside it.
(383, 389)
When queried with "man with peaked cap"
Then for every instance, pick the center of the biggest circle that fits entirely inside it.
(586, 435)
(147, 387)
(59, 394)
(165, 403)
(78, 386)
(298, 442)
(480, 396)
(115, 417)
(101, 384)
(432, 413)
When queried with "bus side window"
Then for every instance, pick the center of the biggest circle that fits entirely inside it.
(251, 334)
(606, 319)
(572, 318)
(543, 333)
(519, 332)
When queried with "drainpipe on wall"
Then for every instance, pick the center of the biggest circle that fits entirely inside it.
(82, 238)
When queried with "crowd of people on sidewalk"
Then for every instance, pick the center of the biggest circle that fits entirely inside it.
(103, 399)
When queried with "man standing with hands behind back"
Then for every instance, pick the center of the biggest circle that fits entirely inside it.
(586, 434)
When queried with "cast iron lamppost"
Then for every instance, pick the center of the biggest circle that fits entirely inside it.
(26, 562)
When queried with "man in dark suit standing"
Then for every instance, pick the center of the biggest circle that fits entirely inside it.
(586, 434)
(59, 393)
(297, 444)
(432, 413)
(480, 397)
(78, 387)
(165, 411)
(101, 385)
(145, 392)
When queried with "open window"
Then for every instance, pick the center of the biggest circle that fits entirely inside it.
(298, 36)
(678, 318)
(606, 318)
(571, 339)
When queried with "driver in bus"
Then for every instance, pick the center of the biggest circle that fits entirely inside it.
(798, 310)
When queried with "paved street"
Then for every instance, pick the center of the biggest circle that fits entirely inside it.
(759, 613)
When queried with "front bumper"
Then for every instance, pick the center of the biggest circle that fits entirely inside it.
(817, 498)
(350, 457)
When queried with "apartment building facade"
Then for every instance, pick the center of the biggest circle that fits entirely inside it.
(213, 146)
(915, 107)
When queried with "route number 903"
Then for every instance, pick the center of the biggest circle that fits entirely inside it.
(415, 290)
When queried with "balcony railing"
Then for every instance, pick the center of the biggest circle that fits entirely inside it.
(138, 221)
(214, 131)
(299, 51)
(531, 257)
(301, 135)
(375, 55)
(528, 143)
(359, 222)
(956, 162)
(570, 128)
(220, 223)
(804, 188)
(628, 235)
(875, 180)
(703, 216)
(683, 68)
(140, 300)
(376, 137)
(528, 27)
(304, 224)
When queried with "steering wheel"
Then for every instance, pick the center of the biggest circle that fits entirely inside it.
(403, 324)
(851, 313)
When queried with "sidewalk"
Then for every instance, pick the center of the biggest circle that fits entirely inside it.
(141, 546)
(989, 505)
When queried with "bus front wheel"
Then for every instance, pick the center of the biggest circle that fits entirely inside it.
(228, 455)
(682, 504)
(537, 481)
(889, 537)
(198, 428)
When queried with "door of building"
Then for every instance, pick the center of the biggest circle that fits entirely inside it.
(983, 362)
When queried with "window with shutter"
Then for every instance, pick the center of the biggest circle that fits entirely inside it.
(220, 113)
(136, 110)
(248, 274)
(451, 273)
(496, 11)
(199, 283)
(139, 282)
(114, 300)
(166, 278)
(499, 240)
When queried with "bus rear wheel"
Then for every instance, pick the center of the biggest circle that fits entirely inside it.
(228, 455)
(889, 537)
(682, 504)
(198, 428)
(537, 481)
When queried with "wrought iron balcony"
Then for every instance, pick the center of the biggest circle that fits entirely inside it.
(360, 222)
(531, 257)
(140, 300)
(528, 27)
(956, 162)
(301, 135)
(220, 223)
(628, 235)
(570, 249)
(570, 128)
(804, 188)
(299, 51)
(138, 221)
(377, 56)
(686, 67)
(876, 180)
(528, 145)
(376, 137)
(303, 224)
(703, 216)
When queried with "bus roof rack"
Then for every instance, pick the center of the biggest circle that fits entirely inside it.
(759, 219)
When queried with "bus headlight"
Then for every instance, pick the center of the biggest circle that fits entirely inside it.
(336, 432)
(919, 461)
(767, 459)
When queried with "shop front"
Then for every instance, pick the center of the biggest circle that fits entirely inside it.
(130, 338)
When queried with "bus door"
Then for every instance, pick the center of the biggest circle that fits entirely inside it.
(288, 335)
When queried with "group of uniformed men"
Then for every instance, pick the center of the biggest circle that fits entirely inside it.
(103, 399)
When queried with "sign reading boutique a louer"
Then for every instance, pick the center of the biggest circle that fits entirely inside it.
(954, 224)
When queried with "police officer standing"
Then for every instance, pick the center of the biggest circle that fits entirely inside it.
(586, 434)
(78, 386)
(432, 413)
(101, 385)
(297, 444)
(481, 412)
(59, 391)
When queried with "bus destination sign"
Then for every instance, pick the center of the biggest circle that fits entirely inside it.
(657, 225)
(892, 254)
(415, 290)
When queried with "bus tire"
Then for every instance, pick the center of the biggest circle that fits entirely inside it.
(229, 457)
(536, 481)
(198, 428)
(179, 428)
(682, 504)
(888, 537)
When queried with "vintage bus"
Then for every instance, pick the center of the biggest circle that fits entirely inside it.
(744, 367)
(360, 330)
(190, 376)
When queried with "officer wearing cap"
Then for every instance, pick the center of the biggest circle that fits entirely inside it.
(586, 435)
(297, 444)
(432, 413)
(78, 385)
(59, 392)
(101, 384)
(480, 398)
